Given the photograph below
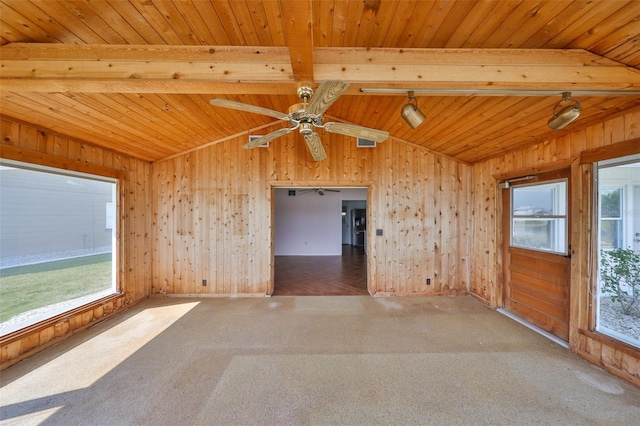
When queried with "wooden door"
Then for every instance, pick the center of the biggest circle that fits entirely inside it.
(536, 247)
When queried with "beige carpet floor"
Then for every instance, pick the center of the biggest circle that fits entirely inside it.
(353, 360)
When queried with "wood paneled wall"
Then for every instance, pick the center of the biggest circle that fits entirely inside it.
(27, 143)
(578, 150)
(213, 214)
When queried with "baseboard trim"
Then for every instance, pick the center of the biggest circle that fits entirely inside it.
(535, 328)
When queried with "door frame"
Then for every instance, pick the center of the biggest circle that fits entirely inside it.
(504, 231)
(314, 184)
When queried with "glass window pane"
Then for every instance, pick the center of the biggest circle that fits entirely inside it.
(610, 203)
(618, 284)
(57, 233)
(540, 200)
(610, 234)
(540, 234)
(538, 216)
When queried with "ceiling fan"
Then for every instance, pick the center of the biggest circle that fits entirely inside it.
(306, 116)
(319, 191)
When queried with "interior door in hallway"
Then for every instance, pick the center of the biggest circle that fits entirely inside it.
(536, 227)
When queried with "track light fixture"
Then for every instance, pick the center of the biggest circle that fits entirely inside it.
(566, 115)
(411, 114)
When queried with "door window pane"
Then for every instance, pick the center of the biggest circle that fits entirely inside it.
(539, 216)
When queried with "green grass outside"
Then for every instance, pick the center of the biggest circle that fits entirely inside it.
(24, 288)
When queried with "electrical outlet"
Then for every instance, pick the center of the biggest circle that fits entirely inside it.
(204, 283)
(428, 281)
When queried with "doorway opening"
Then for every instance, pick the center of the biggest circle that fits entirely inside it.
(317, 249)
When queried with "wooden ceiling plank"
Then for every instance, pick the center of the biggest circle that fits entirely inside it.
(273, 15)
(112, 114)
(70, 21)
(458, 13)
(406, 21)
(538, 20)
(178, 111)
(137, 21)
(583, 22)
(246, 22)
(231, 26)
(86, 13)
(298, 30)
(512, 23)
(369, 22)
(483, 18)
(156, 19)
(73, 125)
(603, 26)
(172, 20)
(489, 120)
(208, 16)
(257, 14)
(117, 24)
(323, 23)
(353, 24)
(431, 23)
(558, 32)
(629, 35)
(387, 15)
(16, 26)
(35, 18)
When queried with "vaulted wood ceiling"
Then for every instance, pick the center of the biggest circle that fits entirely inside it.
(136, 76)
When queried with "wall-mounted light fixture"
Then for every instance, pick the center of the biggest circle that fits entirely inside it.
(411, 114)
(566, 115)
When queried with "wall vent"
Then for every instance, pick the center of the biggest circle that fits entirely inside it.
(365, 143)
(254, 137)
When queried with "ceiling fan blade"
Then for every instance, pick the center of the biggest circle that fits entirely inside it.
(357, 131)
(266, 138)
(315, 146)
(328, 92)
(226, 103)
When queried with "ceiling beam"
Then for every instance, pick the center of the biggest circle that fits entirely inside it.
(298, 29)
(258, 70)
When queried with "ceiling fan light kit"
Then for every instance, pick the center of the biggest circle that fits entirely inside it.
(566, 115)
(411, 113)
(307, 116)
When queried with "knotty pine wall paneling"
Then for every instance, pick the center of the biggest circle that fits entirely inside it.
(213, 215)
(29, 144)
(576, 149)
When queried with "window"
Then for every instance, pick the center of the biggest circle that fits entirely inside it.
(539, 216)
(611, 218)
(618, 283)
(57, 240)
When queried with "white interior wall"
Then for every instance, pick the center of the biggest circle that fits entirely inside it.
(308, 224)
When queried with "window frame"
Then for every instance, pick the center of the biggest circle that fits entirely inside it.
(565, 216)
(596, 289)
(98, 174)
